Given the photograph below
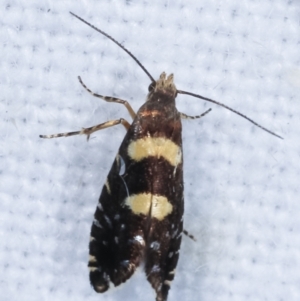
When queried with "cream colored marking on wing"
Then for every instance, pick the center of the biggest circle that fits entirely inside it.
(172, 272)
(161, 207)
(92, 258)
(145, 203)
(155, 147)
(107, 186)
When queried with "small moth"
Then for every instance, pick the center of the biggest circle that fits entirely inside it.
(139, 216)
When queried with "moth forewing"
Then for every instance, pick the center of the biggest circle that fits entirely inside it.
(139, 216)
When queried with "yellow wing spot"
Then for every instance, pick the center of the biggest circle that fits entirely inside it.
(161, 207)
(145, 203)
(139, 203)
(155, 147)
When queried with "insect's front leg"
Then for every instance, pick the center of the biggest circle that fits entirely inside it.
(110, 99)
(101, 126)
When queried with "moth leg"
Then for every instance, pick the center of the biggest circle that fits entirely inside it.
(90, 130)
(184, 116)
(110, 99)
(191, 236)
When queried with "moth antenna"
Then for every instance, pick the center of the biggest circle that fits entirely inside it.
(230, 109)
(178, 91)
(116, 42)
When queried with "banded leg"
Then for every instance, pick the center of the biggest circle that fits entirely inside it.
(110, 99)
(92, 129)
(184, 116)
(191, 236)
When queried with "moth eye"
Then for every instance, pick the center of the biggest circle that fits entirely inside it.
(151, 86)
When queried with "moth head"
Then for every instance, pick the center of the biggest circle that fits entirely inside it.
(164, 84)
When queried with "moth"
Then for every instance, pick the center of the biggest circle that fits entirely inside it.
(139, 216)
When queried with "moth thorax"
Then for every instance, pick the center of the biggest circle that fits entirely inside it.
(166, 84)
